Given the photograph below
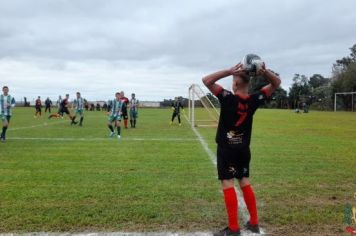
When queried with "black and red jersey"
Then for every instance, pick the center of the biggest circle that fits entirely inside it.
(64, 103)
(38, 103)
(124, 100)
(236, 117)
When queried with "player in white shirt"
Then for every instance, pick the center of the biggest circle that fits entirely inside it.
(7, 102)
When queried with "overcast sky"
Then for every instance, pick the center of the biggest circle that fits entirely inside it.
(158, 48)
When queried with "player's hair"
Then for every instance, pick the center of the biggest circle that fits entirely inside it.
(5, 87)
(78, 92)
(117, 93)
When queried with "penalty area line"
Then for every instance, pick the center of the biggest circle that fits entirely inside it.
(212, 157)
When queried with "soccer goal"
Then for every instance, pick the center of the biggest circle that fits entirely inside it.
(202, 111)
(344, 101)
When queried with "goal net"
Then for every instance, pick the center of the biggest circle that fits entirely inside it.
(202, 107)
(345, 101)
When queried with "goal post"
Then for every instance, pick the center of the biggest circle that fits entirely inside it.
(202, 111)
(346, 101)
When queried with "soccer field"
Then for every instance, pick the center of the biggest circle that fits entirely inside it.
(60, 178)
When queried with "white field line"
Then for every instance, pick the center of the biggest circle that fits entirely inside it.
(199, 138)
(70, 139)
(35, 126)
(212, 156)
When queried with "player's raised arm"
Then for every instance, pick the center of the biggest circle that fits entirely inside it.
(209, 80)
(273, 79)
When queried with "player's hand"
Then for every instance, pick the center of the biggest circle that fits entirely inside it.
(183, 111)
(172, 108)
(237, 70)
(263, 70)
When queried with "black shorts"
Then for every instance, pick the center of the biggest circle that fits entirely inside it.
(124, 114)
(64, 110)
(233, 163)
(38, 109)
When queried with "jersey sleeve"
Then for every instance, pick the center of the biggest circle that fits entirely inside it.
(257, 99)
(223, 95)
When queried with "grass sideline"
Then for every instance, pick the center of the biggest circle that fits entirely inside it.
(302, 172)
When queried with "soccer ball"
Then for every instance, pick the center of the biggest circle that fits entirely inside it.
(252, 63)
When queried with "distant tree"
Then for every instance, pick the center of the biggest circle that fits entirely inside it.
(299, 91)
(344, 76)
(342, 65)
(318, 80)
(258, 82)
(322, 98)
(213, 99)
(280, 98)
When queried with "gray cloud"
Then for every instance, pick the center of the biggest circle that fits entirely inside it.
(158, 48)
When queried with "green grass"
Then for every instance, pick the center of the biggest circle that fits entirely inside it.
(302, 171)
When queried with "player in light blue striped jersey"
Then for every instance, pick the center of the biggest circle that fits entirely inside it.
(133, 110)
(115, 115)
(6, 103)
(78, 104)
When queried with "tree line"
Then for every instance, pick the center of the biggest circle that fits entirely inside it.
(315, 91)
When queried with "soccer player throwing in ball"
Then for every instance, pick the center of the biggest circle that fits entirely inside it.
(233, 139)
(115, 115)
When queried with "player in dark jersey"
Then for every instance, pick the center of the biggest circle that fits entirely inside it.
(48, 104)
(125, 102)
(64, 108)
(38, 107)
(176, 107)
(233, 139)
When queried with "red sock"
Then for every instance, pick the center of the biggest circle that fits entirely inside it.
(125, 122)
(250, 201)
(231, 205)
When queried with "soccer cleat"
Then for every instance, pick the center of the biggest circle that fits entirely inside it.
(111, 134)
(227, 232)
(170, 123)
(180, 124)
(119, 137)
(252, 228)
